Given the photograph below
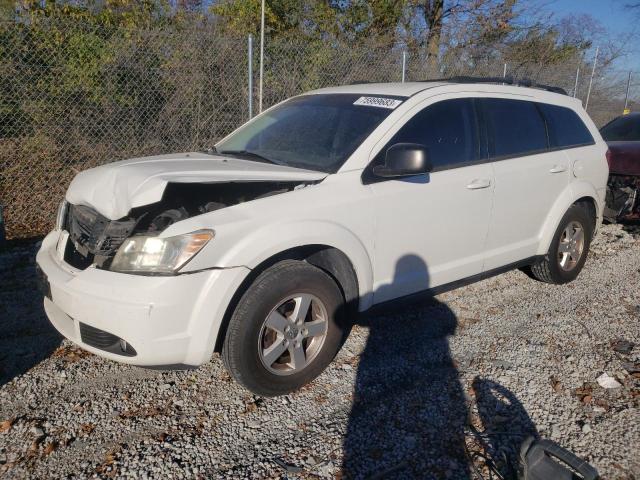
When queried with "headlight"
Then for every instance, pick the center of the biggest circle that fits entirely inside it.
(142, 254)
(62, 213)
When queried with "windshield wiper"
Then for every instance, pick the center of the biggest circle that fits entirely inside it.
(247, 153)
(210, 150)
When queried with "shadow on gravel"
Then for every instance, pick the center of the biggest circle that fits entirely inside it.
(505, 425)
(409, 411)
(631, 227)
(26, 336)
(410, 416)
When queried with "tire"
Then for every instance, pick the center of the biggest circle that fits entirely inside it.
(563, 267)
(263, 325)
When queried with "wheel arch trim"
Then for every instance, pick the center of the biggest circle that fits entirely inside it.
(575, 192)
(329, 259)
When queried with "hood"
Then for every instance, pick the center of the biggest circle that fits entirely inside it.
(114, 189)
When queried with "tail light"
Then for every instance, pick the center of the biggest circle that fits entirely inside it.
(608, 155)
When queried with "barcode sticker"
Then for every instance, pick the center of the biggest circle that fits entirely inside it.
(378, 102)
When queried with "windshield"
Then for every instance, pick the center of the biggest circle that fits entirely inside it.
(622, 129)
(316, 132)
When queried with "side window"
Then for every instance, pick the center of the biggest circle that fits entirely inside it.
(447, 129)
(566, 129)
(515, 127)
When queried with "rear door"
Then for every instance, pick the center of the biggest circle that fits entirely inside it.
(529, 178)
(431, 229)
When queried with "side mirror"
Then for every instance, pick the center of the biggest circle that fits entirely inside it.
(404, 159)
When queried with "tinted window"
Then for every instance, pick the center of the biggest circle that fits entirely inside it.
(625, 129)
(515, 127)
(318, 132)
(566, 129)
(447, 129)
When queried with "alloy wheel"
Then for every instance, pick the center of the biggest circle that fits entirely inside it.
(571, 246)
(293, 333)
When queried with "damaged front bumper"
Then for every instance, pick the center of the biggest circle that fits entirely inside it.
(141, 320)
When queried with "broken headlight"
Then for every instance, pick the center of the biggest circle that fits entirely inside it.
(145, 254)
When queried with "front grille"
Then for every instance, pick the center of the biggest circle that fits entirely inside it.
(93, 233)
(105, 341)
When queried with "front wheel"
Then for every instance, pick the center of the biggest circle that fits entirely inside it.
(285, 330)
(569, 248)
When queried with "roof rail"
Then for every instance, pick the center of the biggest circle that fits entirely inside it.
(508, 80)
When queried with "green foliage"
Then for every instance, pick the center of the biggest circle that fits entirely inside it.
(282, 17)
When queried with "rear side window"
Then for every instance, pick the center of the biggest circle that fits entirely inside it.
(448, 130)
(566, 129)
(625, 129)
(515, 127)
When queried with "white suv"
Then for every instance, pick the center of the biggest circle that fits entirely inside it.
(267, 246)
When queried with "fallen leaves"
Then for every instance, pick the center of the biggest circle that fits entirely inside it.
(50, 447)
(87, 428)
(584, 393)
(466, 322)
(70, 353)
(107, 467)
(6, 425)
(145, 412)
(252, 403)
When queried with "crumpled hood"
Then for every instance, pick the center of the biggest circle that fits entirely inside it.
(116, 188)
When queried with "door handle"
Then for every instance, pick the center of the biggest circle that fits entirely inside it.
(479, 183)
(558, 169)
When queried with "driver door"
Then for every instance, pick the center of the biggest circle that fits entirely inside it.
(431, 229)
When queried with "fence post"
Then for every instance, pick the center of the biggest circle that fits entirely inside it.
(261, 58)
(593, 71)
(626, 95)
(504, 71)
(404, 65)
(575, 87)
(250, 68)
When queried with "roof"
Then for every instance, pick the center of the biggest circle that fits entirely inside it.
(399, 89)
(409, 89)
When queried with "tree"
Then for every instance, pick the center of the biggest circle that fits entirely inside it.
(434, 14)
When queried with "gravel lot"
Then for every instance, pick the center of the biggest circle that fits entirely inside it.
(508, 356)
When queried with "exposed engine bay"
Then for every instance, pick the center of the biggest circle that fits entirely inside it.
(623, 198)
(95, 239)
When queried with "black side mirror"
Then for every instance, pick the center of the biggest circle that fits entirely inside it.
(404, 159)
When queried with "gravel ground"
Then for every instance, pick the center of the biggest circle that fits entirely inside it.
(506, 357)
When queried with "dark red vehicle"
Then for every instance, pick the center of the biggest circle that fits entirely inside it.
(623, 194)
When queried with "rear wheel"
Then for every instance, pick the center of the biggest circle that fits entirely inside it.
(569, 248)
(285, 330)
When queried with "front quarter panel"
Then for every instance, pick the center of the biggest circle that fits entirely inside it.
(337, 213)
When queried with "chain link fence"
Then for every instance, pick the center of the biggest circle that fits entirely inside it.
(74, 96)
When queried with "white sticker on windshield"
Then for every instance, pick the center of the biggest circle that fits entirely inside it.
(378, 102)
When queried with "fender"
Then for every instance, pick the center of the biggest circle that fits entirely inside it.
(273, 239)
(576, 190)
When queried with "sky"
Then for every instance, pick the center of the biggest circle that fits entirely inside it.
(611, 14)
